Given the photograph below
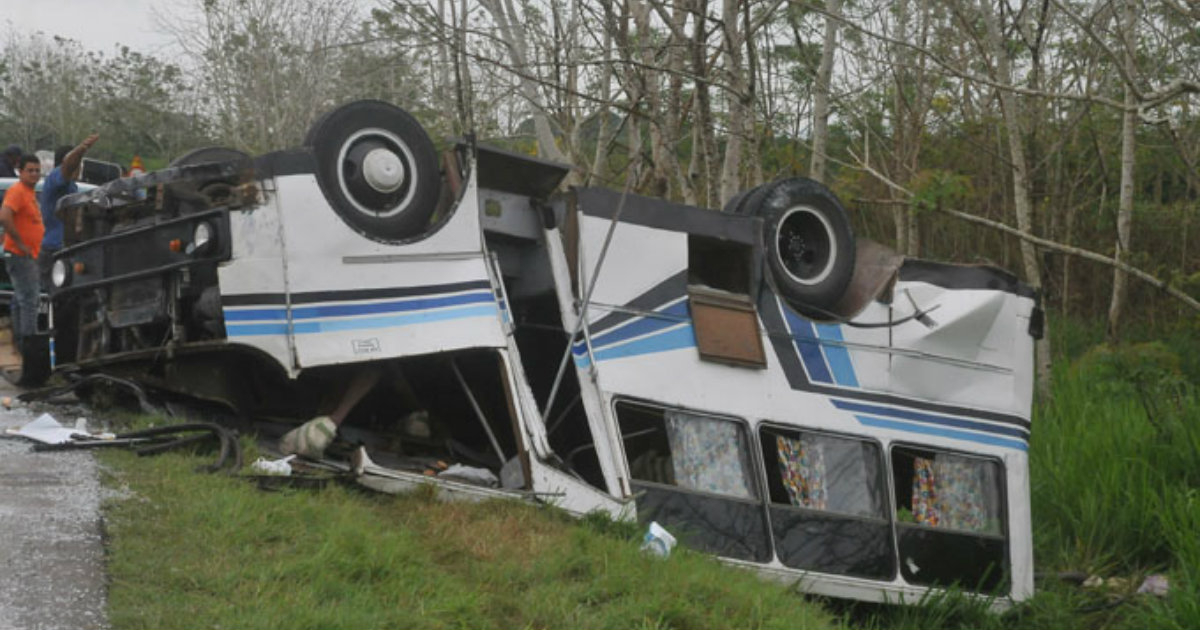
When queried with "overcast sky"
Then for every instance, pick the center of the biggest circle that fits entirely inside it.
(97, 24)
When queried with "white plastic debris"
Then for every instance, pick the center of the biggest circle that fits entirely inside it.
(273, 466)
(658, 541)
(470, 474)
(1156, 585)
(44, 429)
(512, 475)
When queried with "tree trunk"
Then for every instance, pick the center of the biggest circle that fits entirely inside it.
(676, 56)
(1020, 169)
(820, 134)
(1125, 204)
(513, 35)
(732, 45)
(702, 123)
(599, 167)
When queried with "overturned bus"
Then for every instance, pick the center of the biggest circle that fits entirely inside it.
(755, 380)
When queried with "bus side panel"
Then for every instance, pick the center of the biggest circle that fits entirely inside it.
(354, 298)
(252, 283)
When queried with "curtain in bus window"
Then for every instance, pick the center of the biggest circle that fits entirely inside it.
(948, 492)
(708, 455)
(802, 466)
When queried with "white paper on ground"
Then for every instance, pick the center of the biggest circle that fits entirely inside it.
(46, 430)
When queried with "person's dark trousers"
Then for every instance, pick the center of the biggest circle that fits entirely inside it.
(24, 274)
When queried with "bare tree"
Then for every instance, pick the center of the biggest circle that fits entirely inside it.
(512, 33)
(267, 66)
(1128, 147)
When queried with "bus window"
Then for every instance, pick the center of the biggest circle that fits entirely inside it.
(950, 519)
(828, 503)
(693, 474)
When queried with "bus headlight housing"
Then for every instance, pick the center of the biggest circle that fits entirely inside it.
(60, 273)
(202, 237)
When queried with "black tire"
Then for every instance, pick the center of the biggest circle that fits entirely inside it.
(195, 195)
(35, 361)
(808, 242)
(377, 168)
(736, 204)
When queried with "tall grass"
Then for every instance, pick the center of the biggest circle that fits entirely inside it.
(1115, 466)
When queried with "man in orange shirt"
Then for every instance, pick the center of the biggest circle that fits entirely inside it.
(23, 232)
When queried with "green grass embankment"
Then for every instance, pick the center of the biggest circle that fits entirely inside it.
(189, 550)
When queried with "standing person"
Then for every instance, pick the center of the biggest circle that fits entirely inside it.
(68, 162)
(8, 166)
(23, 232)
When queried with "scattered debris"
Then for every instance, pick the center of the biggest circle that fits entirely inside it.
(47, 393)
(282, 467)
(51, 435)
(46, 430)
(1156, 585)
(471, 474)
(658, 541)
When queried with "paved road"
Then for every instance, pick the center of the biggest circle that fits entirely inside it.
(52, 574)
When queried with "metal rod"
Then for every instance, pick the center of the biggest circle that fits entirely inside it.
(587, 298)
(478, 412)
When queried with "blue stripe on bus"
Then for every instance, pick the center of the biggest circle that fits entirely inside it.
(256, 315)
(391, 321)
(837, 355)
(917, 416)
(681, 337)
(345, 310)
(809, 347)
(255, 330)
(925, 429)
(672, 315)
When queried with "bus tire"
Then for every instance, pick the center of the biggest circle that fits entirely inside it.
(809, 247)
(377, 167)
(195, 195)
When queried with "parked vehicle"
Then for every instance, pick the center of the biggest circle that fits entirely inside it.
(756, 380)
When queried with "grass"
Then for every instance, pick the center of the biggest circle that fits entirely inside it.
(188, 550)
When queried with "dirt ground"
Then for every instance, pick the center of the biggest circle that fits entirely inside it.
(51, 551)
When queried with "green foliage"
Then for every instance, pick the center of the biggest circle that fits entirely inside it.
(935, 188)
(1149, 371)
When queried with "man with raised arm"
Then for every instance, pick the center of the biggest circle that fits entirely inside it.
(68, 162)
